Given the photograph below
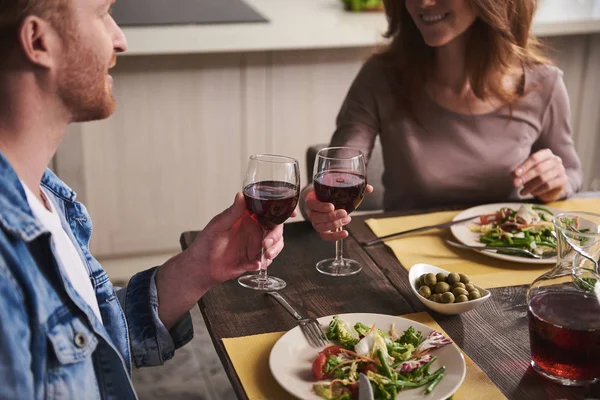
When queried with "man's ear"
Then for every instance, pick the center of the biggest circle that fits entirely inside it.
(39, 41)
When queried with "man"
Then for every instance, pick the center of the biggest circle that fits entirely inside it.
(64, 332)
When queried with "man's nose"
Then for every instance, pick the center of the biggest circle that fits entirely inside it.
(119, 41)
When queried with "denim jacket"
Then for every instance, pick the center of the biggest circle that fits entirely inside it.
(52, 346)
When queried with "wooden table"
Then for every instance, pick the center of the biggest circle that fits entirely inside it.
(494, 335)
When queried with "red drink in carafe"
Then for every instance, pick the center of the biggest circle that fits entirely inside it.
(564, 333)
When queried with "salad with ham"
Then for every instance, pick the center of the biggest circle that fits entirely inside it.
(530, 227)
(391, 361)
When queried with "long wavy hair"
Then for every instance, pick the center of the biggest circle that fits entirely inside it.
(499, 40)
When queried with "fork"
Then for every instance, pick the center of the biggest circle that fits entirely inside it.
(310, 327)
(543, 256)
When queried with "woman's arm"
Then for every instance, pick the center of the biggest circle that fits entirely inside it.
(553, 170)
(358, 124)
(358, 121)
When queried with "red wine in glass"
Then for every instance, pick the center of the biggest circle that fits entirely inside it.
(271, 203)
(340, 179)
(564, 334)
(345, 190)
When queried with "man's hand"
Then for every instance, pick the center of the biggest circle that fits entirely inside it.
(542, 175)
(325, 218)
(227, 247)
(231, 244)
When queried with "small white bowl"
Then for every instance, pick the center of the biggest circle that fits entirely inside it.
(451, 308)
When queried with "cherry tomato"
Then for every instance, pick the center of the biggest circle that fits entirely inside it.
(318, 366)
(365, 367)
(353, 389)
(331, 351)
(488, 218)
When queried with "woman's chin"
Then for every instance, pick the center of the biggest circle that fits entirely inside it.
(437, 41)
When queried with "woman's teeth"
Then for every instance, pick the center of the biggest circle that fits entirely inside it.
(433, 18)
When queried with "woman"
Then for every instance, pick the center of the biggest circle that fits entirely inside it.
(467, 108)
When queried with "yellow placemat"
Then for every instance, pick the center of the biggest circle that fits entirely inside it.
(430, 248)
(250, 358)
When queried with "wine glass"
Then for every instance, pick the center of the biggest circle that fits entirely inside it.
(341, 179)
(271, 190)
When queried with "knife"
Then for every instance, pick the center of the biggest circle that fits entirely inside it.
(365, 391)
(421, 229)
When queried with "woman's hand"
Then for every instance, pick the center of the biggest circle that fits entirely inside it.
(325, 218)
(542, 175)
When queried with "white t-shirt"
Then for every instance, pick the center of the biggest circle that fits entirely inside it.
(66, 250)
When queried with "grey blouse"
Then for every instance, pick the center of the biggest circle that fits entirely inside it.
(448, 158)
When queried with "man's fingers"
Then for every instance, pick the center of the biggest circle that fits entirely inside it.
(330, 226)
(334, 236)
(536, 170)
(228, 218)
(253, 244)
(534, 159)
(274, 250)
(273, 236)
(369, 189)
(251, 266)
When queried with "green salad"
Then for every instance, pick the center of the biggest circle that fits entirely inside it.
(391, 361)
(530, 227)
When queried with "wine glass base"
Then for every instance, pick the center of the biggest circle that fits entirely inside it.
(345, 267)
(560, 380)
(267, 284)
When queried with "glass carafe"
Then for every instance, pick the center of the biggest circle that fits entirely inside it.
(563, 305)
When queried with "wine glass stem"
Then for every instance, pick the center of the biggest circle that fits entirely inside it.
(339, 249)
(262, 272)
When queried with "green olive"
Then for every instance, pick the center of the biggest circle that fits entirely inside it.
(464, 278)
(421, 280)
(458, 284)
(430, 279)
(442, 287)
(436, 297)
(447, 297)
(453, 278)
(474, 294)
(461, 299)
(470, 287)
(425, 291)
(440, 276)
(458, 291)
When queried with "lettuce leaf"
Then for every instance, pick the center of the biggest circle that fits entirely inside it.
(332, 331)
(362, 329)
(411, 365)
(411, 336)
(342, 332)
(401, 352)
(332, 362)
(379, 343)
(433, 341)
(346, 335)
(339, 392)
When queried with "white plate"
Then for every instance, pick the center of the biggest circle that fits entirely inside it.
(292, 357)
(464, 235)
